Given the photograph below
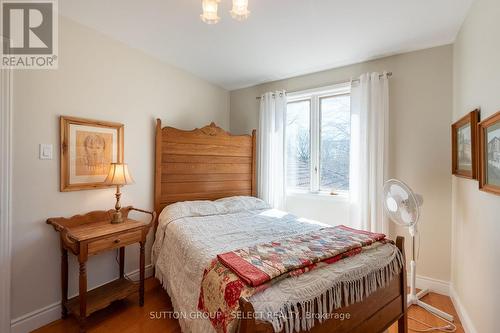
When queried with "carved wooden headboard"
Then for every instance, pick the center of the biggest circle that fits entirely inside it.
(203, 164)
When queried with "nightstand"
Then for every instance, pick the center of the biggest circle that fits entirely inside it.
(88, 235)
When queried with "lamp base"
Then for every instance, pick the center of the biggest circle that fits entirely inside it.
(117, 217)
(117, 214)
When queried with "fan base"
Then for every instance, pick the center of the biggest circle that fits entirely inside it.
(415, 300)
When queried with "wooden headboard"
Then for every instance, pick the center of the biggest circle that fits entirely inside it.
(203, 164)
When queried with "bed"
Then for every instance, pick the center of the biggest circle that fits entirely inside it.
(211, 164)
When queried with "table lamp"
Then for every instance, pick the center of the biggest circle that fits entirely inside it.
(118, 175)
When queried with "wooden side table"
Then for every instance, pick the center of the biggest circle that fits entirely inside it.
(90, 234)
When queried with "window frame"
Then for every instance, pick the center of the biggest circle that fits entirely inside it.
(314, 96)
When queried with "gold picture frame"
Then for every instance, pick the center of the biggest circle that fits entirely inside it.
(87, 148)
(489, 154)
(464, 146)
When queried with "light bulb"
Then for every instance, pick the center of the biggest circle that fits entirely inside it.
(210, 8)
(240, 10)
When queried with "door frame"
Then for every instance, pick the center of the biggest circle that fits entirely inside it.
(6, 93)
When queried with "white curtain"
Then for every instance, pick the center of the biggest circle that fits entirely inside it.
(369, 151)
(270, 149)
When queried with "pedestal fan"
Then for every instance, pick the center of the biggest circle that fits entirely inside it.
(403, 208)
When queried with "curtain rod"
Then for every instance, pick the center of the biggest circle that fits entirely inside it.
(389, 74)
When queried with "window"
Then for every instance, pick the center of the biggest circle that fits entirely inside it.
(298, 144)
(335, 122)
(318, 125)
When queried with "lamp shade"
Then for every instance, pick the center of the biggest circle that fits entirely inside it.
(118, 175)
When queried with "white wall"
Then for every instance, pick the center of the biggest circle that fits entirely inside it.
(420, 117)
(98, 78)
(476, 214)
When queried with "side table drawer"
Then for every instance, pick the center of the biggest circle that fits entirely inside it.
(114, 241)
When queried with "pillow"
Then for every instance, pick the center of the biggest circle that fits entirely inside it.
(199, 208)
(222, 206)
(239, 203)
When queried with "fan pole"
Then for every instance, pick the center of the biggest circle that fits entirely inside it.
(399, 199)
(414, 297)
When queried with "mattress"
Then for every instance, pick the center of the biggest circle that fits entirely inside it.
(191, 234)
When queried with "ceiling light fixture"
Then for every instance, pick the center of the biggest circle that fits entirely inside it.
(240, 10)
(210, 8)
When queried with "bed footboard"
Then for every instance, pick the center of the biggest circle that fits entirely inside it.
(374, 314)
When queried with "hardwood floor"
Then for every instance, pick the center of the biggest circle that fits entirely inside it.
(440, 301)
(127, 317)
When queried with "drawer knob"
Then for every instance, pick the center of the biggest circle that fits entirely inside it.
(117, 241)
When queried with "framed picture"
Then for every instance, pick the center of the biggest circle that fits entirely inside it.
(87, 149)
(464, 146)
(489, 154)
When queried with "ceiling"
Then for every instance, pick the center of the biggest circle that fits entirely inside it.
(281, 38)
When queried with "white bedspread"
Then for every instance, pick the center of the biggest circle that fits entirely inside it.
(191, 234)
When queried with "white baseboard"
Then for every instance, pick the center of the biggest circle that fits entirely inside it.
(462, 313)
(134, 275)
(52, 312)
(435, 285)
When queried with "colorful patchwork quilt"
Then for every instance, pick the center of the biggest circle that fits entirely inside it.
(247, 271)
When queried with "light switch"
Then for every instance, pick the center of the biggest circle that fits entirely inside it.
(45, 151)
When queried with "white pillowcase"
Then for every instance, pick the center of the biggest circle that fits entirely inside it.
(238, 203)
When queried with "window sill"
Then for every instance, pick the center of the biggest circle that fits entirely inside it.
(341, 197)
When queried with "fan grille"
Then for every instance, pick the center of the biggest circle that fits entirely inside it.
(400, 203)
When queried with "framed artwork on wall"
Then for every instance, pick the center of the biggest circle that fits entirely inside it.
(87, 149)
(464, 146)
(489, 154)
